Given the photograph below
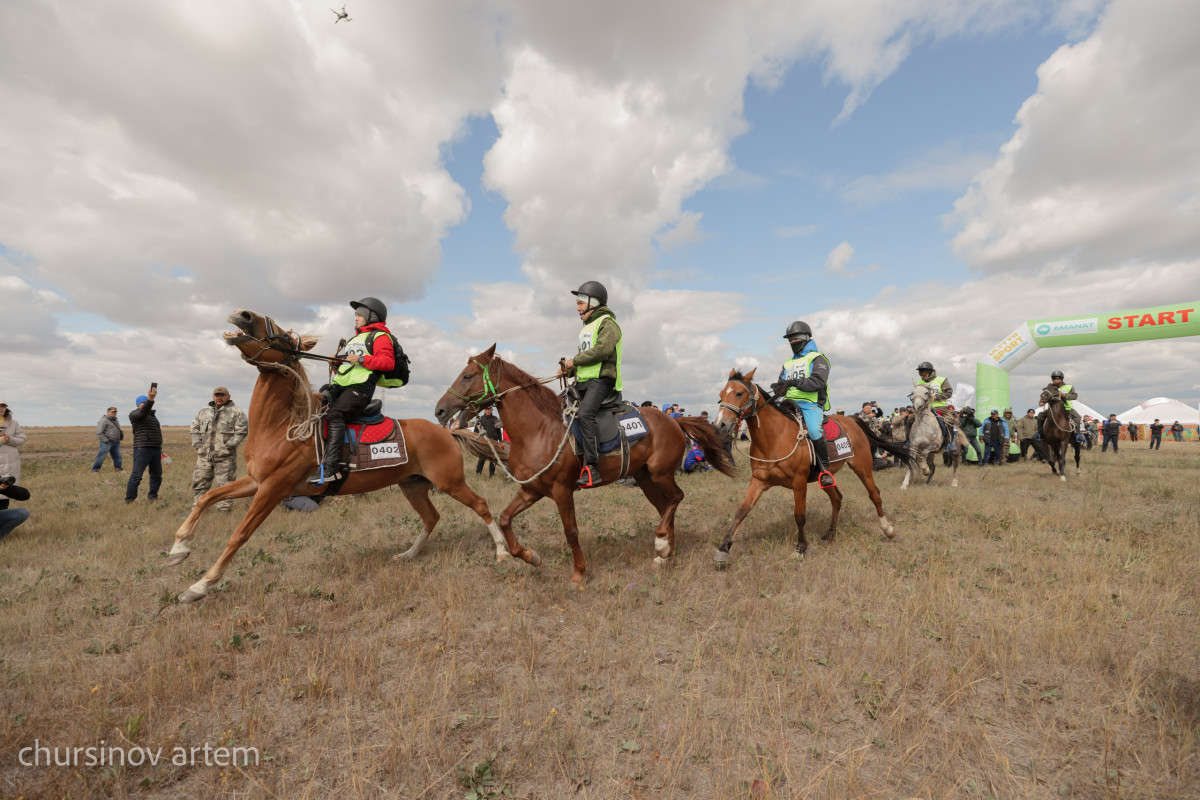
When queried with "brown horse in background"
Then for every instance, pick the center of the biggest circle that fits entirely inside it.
(1058, 433)
(780, 456)
(280, 453)
(545, 466)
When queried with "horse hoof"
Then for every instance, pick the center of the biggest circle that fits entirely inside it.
(534, 558)
(176, 559)
(890, 532)
(407, 555)
(954, 484)
(502, 556)
(797, 555)
(190, 596)
(659, 561)
(721, 557)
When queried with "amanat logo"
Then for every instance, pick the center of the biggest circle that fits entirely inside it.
(1142, 320)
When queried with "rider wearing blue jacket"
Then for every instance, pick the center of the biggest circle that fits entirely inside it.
(804, 379)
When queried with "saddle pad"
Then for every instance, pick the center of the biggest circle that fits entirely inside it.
(839, 442)
(375, 429)
(625, 415)
(379, 447)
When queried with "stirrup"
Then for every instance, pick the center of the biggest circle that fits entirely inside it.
(587, 477)
(821, 479)
(320, 478)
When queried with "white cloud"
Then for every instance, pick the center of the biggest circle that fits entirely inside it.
(838, 258)
(1104, 169)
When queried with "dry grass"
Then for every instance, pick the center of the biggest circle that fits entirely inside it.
(1023, 639)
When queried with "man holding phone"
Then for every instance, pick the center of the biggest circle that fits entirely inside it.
(147, 446)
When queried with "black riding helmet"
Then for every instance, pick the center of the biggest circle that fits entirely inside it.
(1057, 374)
(925, 366)
(592, 289)
(371, 308)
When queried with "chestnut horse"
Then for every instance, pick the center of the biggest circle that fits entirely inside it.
(1058, 433)
(779, 456)
(545, 466)
(280, 453)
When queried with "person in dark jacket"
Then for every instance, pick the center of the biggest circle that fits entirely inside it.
(109, 432)
(1177, 431)
(995, 438)
(147, 447)
(1156, 430)
(1132, 429)
(970, 429)
(1112, 433)
(11, 517)
(489, 426)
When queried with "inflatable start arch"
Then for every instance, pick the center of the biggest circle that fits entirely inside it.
(1162, 322)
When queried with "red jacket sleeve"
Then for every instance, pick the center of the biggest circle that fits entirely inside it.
(382, 356)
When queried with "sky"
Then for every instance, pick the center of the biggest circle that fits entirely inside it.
(914, 178)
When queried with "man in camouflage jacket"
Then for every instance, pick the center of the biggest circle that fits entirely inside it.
(217, 431)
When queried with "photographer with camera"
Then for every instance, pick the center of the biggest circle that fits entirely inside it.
(11, 517)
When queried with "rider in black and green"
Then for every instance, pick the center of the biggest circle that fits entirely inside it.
(1068, 393)
(359, 366)
(597, 369)
(940, 393)
(804, 379)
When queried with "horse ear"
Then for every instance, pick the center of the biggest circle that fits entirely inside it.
(491, 351)
(750, 375)
(306, 342)
(732, 372)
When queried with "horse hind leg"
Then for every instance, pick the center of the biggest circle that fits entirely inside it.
(664, 493)
(835, 501)
(416, 491)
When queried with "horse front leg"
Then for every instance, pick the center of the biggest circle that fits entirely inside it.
(242, 487)
(265, 501)
(564, 498)
(524, 499)
(835, 500)
(800, 496)
(755, 491)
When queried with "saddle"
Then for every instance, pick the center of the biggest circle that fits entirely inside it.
(837, 447)
(618, 422)
(948, 443)
(372, 441)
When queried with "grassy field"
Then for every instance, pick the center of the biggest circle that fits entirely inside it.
(1023, 638)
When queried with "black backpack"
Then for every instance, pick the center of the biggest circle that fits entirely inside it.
(397, 375)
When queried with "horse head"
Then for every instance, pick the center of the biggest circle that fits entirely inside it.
(262, 342)
(919, 397)
(738, 400)
(1050, 395)
(473, 389)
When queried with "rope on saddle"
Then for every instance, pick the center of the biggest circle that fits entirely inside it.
(570, 411)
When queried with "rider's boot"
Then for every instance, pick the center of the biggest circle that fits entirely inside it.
(331, 468)
(952, 433)
(821, 454)
(589, 476)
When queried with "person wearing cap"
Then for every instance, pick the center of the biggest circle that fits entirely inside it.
(365, 357)
(1027, 429)
(804, 380)
(597, 370)
(147, 447)
(217, 431)
(1067, 392)
(995, 438)
(12, 436)
(1112, 433)
(109, 433)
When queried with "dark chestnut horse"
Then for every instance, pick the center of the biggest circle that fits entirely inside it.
(779, 456)
(280, 453)
(541, 459)
(1058, 433)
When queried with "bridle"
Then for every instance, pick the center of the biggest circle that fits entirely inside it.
(490, 395)
(1050, 400)
(751, 403)
(280, 341)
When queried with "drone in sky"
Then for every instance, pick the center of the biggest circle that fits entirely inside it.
(341, 15)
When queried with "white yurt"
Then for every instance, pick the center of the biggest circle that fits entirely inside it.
(1163, 409)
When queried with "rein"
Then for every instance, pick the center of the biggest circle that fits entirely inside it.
(742, 414)
(1051, 401)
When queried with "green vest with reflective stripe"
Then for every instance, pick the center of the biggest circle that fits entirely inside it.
(935, 384)
(587, 340)
(1065, 389)
(799, 368)
(353, 374)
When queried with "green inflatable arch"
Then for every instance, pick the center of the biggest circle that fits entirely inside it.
(1162, 322)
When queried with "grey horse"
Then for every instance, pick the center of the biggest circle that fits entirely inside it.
(925, 438)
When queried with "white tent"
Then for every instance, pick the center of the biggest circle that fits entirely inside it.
(1087, 411)
(1163, 409)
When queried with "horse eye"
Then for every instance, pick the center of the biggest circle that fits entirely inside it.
(467, 378)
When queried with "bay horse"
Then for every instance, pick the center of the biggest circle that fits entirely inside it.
(280, 453)
(544, 466)
(925, 438)
(779, 456)
(1058, 433)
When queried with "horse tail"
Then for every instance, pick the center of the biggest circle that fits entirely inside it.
(703, 434)
(477, 446)
(898, 449)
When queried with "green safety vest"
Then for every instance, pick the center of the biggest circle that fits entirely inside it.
(1064, 389)
(587, 339)
(797, 369)
(936, 383)
(354, 374)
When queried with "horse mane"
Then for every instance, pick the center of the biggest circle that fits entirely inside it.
(738, 376)
(544, 399)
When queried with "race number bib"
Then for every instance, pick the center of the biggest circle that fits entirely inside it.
(385, 450)
(633, 427)
(796, 373)
(842, 446)
(585, 341)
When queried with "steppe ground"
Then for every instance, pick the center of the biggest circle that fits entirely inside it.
(1023, 638)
